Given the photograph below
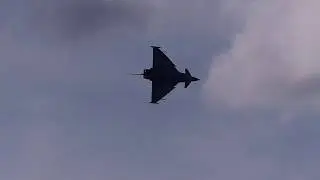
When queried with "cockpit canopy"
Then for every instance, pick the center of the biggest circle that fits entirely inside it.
(147, 73)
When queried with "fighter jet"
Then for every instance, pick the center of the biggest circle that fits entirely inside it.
(164, 75)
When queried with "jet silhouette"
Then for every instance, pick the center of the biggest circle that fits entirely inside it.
(164, 75)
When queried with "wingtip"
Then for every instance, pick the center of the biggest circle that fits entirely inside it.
(153, 46)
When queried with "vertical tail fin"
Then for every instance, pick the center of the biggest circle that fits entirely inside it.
(188, 81)
(186, 84)
(187, 72)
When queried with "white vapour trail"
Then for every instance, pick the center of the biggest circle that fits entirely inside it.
(274, 61)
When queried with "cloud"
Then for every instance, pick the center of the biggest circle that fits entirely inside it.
(59, 59)
(273, 61)
(67, 41)
(63, 105)
(74, 19)
(268, 82)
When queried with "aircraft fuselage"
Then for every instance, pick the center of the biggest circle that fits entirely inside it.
(168, 76)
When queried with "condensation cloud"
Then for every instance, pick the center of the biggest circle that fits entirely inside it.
(273, 61)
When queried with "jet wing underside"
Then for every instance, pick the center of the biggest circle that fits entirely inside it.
(161, 89)
(160, 60)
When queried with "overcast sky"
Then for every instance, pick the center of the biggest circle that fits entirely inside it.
(69, 109)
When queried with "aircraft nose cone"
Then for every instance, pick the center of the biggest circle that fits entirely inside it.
(195, 79)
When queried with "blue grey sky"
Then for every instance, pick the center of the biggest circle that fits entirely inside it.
(70, 110)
